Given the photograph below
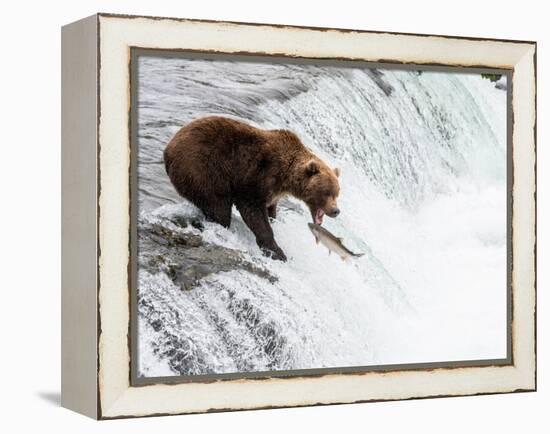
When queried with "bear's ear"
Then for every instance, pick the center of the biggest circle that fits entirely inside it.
(312, 167)
(337, 172)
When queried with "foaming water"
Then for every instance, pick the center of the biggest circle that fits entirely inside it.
(423, 195)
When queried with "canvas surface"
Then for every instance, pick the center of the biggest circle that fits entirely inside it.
(423, 158)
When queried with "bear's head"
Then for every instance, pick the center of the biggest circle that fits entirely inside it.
(320, 189)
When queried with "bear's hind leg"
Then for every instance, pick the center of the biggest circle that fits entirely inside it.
(272, 210)
(218, 211)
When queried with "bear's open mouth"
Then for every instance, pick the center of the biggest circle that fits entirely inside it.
(318, 216)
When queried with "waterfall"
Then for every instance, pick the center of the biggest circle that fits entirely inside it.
(423, 195)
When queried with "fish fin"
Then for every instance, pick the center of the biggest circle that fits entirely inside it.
(358, 255)
(339, 239)
(329, 252)
(316, 240)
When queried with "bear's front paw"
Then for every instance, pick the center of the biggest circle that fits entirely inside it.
(275, 253)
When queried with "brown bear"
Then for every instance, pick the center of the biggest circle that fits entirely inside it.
(216, 162)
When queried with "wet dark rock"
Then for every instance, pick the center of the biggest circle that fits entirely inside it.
(184, 256)
(378, 77)
(501, 85)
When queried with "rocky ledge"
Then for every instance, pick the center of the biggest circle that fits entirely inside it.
(174, 245)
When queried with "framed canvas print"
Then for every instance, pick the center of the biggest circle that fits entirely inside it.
(262, 216)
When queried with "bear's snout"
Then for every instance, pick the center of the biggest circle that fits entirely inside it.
(333, 212)
(331, 207)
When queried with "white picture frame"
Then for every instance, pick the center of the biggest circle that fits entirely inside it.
(96, 213)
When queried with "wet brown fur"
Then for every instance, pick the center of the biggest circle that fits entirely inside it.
(216, 162)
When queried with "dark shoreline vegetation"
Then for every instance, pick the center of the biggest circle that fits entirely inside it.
(492, 77)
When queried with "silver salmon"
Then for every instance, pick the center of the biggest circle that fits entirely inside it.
(331, 242)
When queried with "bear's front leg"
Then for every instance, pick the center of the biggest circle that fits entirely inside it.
(256, 219)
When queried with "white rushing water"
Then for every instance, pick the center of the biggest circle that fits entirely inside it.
(423, 195)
